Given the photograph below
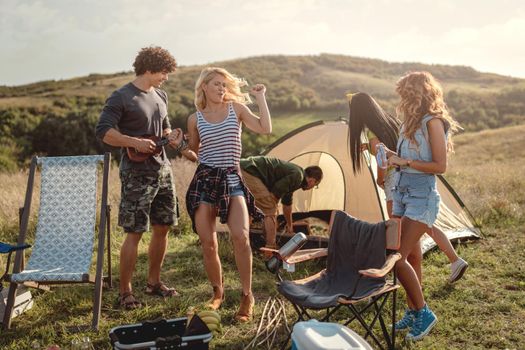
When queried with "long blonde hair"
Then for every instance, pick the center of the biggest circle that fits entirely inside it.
(421, 94)
(233, 87)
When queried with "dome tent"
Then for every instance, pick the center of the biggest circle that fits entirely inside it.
(325, 143)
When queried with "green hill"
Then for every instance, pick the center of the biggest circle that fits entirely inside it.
(57, 117)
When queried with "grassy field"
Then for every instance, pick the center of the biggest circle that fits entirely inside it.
(485, 310)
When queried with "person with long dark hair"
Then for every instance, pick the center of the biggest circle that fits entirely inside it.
(370, 125)
(369, 121)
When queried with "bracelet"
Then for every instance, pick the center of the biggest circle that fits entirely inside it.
(183, 145)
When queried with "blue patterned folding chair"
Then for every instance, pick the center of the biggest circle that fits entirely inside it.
(65, 230)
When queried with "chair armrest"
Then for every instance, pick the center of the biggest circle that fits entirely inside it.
(309, 278)
(8, 248)
(306, 254)
(300, 255)
(268, 250)
(388, 265)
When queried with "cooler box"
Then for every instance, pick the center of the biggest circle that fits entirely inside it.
(23, 302)
(162, 334)
(314, 335)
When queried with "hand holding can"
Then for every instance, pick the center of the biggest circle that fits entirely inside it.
(381, 158)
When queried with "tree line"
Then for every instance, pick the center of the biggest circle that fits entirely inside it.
(59, 117)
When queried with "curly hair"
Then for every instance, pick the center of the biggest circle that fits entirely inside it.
(421, 94)
(366, 112)
(233, 87)
(154, 59)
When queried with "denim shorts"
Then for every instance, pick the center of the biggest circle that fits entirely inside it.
(235, 191)
(416, 197)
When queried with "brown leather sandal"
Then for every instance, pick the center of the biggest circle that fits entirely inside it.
(127, 301)
(245, 312)
(218, 297)
(161, 290)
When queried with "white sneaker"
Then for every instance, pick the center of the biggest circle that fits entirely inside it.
(457, 269)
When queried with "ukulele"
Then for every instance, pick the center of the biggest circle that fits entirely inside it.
(139, 157)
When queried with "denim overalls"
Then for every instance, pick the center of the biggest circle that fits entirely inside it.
(416, 195)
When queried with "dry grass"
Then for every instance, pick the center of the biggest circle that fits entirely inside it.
(14, 187)
(488, 171)
(484, 310)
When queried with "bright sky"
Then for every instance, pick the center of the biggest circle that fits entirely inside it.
(57, 39)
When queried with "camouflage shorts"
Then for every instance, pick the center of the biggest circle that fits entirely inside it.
(147, 195)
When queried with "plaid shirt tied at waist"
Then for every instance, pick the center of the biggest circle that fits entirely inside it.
(214, 182)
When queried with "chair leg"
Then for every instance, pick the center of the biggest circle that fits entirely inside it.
(104, 220)
(97, 293)
(389, 337)
(11, 298)
(97, 303)
(369, 332)
(300, 312)
(108, 229)
(394, 307)
(384, 329)
(363, 310)
(330, 312)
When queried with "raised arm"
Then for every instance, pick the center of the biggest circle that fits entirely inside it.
(262, 124)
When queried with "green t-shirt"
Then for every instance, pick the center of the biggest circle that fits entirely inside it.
(281, 178)
(370, 135)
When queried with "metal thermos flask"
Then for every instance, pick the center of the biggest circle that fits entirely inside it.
(293, 245)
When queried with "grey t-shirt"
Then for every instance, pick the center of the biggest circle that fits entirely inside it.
(135, 112)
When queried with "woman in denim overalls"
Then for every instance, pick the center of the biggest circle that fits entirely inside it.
(421, 154)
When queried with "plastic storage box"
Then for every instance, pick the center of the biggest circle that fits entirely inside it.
(314, 335)
(23, 302)
(162, 334)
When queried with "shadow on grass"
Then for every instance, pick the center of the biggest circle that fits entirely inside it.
(442, 293)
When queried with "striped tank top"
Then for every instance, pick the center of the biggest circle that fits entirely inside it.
(220, 143)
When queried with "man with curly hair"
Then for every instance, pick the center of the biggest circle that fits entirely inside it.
(137, 109)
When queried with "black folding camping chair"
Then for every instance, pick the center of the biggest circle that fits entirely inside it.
(355, 277)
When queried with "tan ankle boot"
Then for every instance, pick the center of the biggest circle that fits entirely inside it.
(217, 299)
(245, 312)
